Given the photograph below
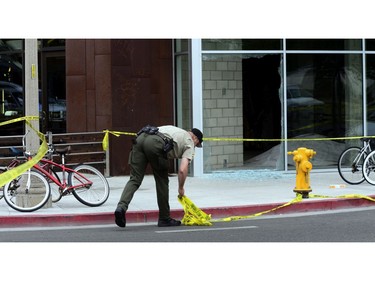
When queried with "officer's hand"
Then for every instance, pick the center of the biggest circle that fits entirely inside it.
(181, 192)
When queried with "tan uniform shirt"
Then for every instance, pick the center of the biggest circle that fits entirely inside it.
(183, 142)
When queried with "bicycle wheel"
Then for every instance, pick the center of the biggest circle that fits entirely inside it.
(27, 193)
(369, 168)
(91, 194)
(350, 165)
(2, 170)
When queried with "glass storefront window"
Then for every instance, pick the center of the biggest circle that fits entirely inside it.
(370, 88)
(242, 99)
(324, 99)
(53, 99)
(11, 45)
(11, 81)
(53, 43)
(184, 107)
(183, 91)
(11, 68)
(324, 44)
(242, 44)
(370, 44)
(52, 104)
(181, 45)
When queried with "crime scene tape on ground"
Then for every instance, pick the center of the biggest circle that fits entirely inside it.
(359, 196)
(195, 216)
(15, 172)
(297, 199)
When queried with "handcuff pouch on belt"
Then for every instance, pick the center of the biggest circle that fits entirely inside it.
(152, 130)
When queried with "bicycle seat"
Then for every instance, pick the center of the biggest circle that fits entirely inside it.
(365, 139)
(63, 150)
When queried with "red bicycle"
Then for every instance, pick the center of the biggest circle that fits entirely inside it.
(15, 162)
(32, 189)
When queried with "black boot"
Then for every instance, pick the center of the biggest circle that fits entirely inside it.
(168, 222)
(120, 217)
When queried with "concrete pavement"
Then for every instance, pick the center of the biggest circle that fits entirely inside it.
(221, 194)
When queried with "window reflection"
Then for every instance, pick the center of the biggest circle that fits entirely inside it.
(11, 68)
(324, 44)
(241, 44)
(11, 91)
(370, 44)
(10, 45)
(183, 91)
(324, 100)
(54, 96)
(52, 92)
(370, 87)
(242, 99)
(52, 43)
(181, 45)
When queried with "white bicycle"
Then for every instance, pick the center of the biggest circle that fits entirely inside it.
(368, 168)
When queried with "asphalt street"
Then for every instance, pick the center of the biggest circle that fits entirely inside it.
(312, 245)
(346, 225)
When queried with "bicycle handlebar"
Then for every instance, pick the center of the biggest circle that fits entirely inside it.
(50, 151)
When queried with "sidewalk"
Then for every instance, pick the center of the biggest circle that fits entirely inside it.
(221, 194)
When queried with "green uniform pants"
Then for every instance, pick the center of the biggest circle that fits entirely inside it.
(148, 150)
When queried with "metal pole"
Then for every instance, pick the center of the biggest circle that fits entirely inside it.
(31, 91)
(196, 69)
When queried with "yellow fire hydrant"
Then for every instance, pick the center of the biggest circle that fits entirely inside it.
(303, 167)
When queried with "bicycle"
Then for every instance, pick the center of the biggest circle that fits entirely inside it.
(15, 162)
(351, 162)
(368, 168)
(33, 188)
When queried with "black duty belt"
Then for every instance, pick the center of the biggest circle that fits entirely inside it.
(152, 130)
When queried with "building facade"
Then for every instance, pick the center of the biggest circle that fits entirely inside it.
(254, 99)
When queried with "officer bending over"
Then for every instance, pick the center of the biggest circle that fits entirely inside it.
(154, 146)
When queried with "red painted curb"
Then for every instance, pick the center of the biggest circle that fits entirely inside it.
(152, 216)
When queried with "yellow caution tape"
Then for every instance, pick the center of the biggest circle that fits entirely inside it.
(15, 172)
(117, 134)
(343, 196)
(280, 140)
(105, 140)
(297, 199)
(195, 216)
(26, 118)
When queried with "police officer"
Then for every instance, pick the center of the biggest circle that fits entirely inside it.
(154, 146)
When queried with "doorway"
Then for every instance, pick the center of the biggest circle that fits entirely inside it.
(53, 95)
(262, 112)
